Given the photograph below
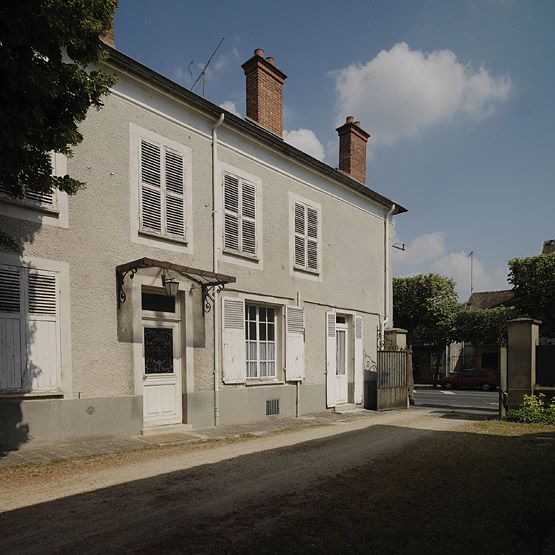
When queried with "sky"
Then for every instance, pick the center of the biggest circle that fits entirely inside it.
(457, 95)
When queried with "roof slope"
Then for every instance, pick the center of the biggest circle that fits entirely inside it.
(490, 299)
(124, 63)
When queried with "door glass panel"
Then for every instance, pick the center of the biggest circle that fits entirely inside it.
(158, 350)
(340, 353)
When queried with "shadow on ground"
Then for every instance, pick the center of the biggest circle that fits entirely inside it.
(442, 492)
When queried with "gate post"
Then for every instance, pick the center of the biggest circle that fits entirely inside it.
(521, 359)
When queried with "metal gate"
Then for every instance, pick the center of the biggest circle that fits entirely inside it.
(392, 380)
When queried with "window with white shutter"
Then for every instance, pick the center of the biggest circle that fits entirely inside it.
(32, 198)
(295, 364)
(306, 242)
(239, 226)
(29, 330)
(162, 191)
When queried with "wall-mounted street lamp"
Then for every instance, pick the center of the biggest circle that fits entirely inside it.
(170, 285)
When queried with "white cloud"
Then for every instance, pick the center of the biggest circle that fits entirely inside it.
(422, 249)
(305, 140)
(428, 253)
(401, 92)
(230, 107)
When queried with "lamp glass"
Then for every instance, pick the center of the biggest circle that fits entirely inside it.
(171, 287)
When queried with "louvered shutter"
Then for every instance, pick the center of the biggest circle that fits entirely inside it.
(175, 194)
(231, 212)
(294, 348)
(331, 362)
(312, 238)
(359, 370)
(43, 367)
(151, 192)
(234, 360)
(248, 218)
(300, 238)
(12, 329)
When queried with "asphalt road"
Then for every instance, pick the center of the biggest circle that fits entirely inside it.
(457, 399)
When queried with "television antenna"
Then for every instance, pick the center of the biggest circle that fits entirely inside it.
(202, 74)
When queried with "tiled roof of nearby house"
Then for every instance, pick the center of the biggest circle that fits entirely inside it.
(548, 247)
(126, 64)
(490, 299)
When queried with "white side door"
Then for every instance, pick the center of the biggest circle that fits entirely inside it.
(161, 373)
(342, 381)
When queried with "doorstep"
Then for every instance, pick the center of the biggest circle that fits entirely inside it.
(166, 429)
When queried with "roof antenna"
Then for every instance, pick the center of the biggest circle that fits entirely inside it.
(202, 74)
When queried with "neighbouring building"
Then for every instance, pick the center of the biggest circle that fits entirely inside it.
(210, 273)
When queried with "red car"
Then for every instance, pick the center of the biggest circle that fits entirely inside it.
(484, 378)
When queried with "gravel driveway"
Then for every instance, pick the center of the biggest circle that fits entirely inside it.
(390, 484)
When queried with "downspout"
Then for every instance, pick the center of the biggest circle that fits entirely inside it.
(386, 272)
(215, 226)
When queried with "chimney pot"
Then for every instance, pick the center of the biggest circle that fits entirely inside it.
(352, 149)
(264, 84)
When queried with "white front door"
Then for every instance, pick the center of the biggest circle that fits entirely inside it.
(162, 402)
(341, 364)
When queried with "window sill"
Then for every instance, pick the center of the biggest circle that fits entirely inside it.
(250, 257)
(302, 270)
(164, 238)
(261, 381)
(30, 205)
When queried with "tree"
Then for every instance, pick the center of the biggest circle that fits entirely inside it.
(482, 325)
(426, 306)
(46, 49)
(533, 281)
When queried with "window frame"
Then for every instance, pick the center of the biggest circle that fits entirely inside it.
(258, 361)
(307, 204)
(146, 236)
(242, 180)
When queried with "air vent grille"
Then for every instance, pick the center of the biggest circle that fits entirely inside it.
(272, 407)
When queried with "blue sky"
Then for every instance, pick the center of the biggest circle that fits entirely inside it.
(457, 95)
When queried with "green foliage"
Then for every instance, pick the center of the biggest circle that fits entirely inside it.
(533, 410)
(426, 306)
(46, 49)
(482, 325)
(533, 279)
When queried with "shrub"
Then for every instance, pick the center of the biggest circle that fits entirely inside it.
(533, 410)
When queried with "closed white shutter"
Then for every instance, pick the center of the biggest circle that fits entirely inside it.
(29, 330)
(42, 336)
(233, 341)
(175, 194)
(312, 238)
(12, 328)
(248, 218)
(359, 371)
(151, 191)
(231, 212)
(300, 239)
(331, 362)
(294, 347)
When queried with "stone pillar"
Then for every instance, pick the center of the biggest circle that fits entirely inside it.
(395, 339)
(521, 359)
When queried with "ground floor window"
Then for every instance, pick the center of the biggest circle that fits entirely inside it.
(260, 337)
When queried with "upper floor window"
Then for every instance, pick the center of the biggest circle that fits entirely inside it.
(46, 201)
(306, 241)
(162, 191)
(240, 216)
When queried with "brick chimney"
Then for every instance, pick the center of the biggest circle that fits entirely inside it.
(264, 92)
(352, 149)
